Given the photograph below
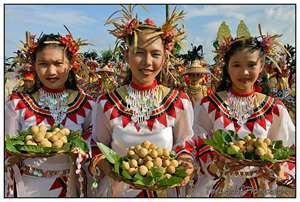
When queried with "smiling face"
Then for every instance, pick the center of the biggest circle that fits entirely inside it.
(244, 67)
(195, 78)
(147, 61)
(52, 67)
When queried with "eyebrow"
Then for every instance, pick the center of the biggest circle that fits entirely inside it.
(43, 60)
(155, 50)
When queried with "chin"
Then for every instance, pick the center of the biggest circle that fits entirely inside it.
(53, 86)
(147, 80)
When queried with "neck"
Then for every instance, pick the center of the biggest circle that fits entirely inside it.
(244, 93)
(50, 90)
(143, 86)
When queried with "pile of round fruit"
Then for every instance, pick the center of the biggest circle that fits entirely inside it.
(41, 136)
(260, 146)
(142, 157)
(249, 147)
(146, 166)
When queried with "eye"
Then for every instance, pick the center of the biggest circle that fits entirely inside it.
(236, 65)
(42, 64)
(252, 65)
(156, 55)
(139, 52)
(58, 63)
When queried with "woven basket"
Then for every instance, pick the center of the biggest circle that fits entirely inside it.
(234, 165)
(35, 155)
(247, 162)
(103, 161)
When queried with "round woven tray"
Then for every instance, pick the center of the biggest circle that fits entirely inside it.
(234, 166)
(35, 155)
(103, 161)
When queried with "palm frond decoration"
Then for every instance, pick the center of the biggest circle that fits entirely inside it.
(126, 27)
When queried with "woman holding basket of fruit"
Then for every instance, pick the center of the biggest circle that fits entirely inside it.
(143, 109)
(48, 117)
(243, 133)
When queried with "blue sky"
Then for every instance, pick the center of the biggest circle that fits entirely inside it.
(201, 22)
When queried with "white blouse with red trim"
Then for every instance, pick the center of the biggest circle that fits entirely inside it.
(170, 124)
(22, 112)
(270, 119)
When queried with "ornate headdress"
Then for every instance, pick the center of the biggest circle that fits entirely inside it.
(127, 25)
(274, 52)
(195, 60)
(270, 44)
(25, 55)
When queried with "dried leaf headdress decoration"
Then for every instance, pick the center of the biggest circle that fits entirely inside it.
(126, 26)
(270, 44)
(26, 53)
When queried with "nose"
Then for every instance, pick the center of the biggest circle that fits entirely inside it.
(148, 59)
(51, 70)
(246, 71)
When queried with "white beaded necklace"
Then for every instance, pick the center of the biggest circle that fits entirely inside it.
(142, 103)
(56, 102)
(240, 108)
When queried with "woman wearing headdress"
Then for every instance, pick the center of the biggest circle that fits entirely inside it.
(143, 109)
(54, 100)
(197, 73)
(237, 107)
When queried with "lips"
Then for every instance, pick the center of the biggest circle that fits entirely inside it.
(146, 71)
(244, 80)
(52, 80)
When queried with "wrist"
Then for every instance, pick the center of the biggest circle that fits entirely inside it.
(185, 156)
(94, 163)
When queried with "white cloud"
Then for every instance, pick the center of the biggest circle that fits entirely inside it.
(274, 19)
(281, 13)
(47, 16)
(215, 10)
(205, 18)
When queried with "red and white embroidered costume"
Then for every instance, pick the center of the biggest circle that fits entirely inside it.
(269, 119)
(169, 126)
(22, 111)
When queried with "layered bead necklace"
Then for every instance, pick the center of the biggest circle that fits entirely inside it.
(240, 106)
(195, 89)
(142, 100)
(57, 102)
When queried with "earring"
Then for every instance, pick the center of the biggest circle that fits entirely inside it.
(70, 80)
(228, 83)
(38, 82)
(95, 182)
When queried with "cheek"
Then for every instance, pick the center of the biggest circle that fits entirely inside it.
(232, 73)
(63, 71)
(256, 72)
(41, 72)
(134, 61)
(159, 63)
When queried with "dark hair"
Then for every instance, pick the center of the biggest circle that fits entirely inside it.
(252, 44)
(71, 81)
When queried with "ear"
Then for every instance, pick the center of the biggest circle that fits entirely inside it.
(34, 67)
(125, 52)
(262, 67)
